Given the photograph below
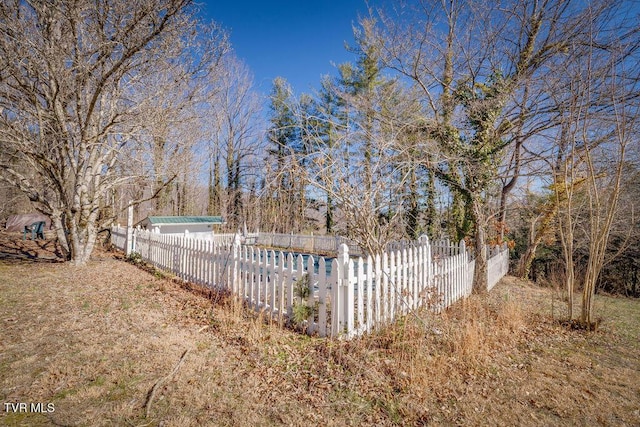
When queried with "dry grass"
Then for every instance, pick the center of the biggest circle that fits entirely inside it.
(96, 340)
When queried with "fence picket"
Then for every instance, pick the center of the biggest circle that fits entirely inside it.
(377, 290)
(311, 299)
(393, 284)
(261, 268)
(322, 297)
(384, 301)
(360, 292)
(337, 302)
(369, 283)
(350, 282)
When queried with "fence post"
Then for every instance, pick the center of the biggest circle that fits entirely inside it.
(128, 246)
(462, 246)
(340, 300)
(234, 275)
(134, 246)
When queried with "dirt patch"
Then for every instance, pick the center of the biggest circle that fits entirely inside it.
(94, 341)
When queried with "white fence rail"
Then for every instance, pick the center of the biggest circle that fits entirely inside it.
(348, 296)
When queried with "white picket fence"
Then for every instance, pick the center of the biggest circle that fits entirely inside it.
(349, 296)
(497, 265)
(119, 237)
(376, 290)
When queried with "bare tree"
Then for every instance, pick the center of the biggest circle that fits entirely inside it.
(284, 191)
(68, 74)
(605, 164)
(598, 122)
(474, 62)
(233, 119)
(360, 154)
(171, 126)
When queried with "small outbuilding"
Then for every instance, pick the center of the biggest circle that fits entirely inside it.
(182, 224)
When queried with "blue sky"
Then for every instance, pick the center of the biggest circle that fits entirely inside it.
(297, 40)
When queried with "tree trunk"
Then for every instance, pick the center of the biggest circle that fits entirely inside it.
(570, 277)
(587, 295)
(82, 247)
(526, 260)
(524, 264)
(432, 216)
(329, 215)
(58, 226)
(480, 272)
(81, 235)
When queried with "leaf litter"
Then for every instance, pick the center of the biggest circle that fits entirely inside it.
(98, 340)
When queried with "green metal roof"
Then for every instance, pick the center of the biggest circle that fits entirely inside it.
(159, 220)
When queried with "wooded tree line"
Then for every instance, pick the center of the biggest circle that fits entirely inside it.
(453, 107)
(511, 121)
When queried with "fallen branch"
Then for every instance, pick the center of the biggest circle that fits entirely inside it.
(156, 386)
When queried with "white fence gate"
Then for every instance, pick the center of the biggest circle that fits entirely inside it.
(348, 296)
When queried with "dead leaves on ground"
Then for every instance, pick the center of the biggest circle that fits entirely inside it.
(499, 359)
